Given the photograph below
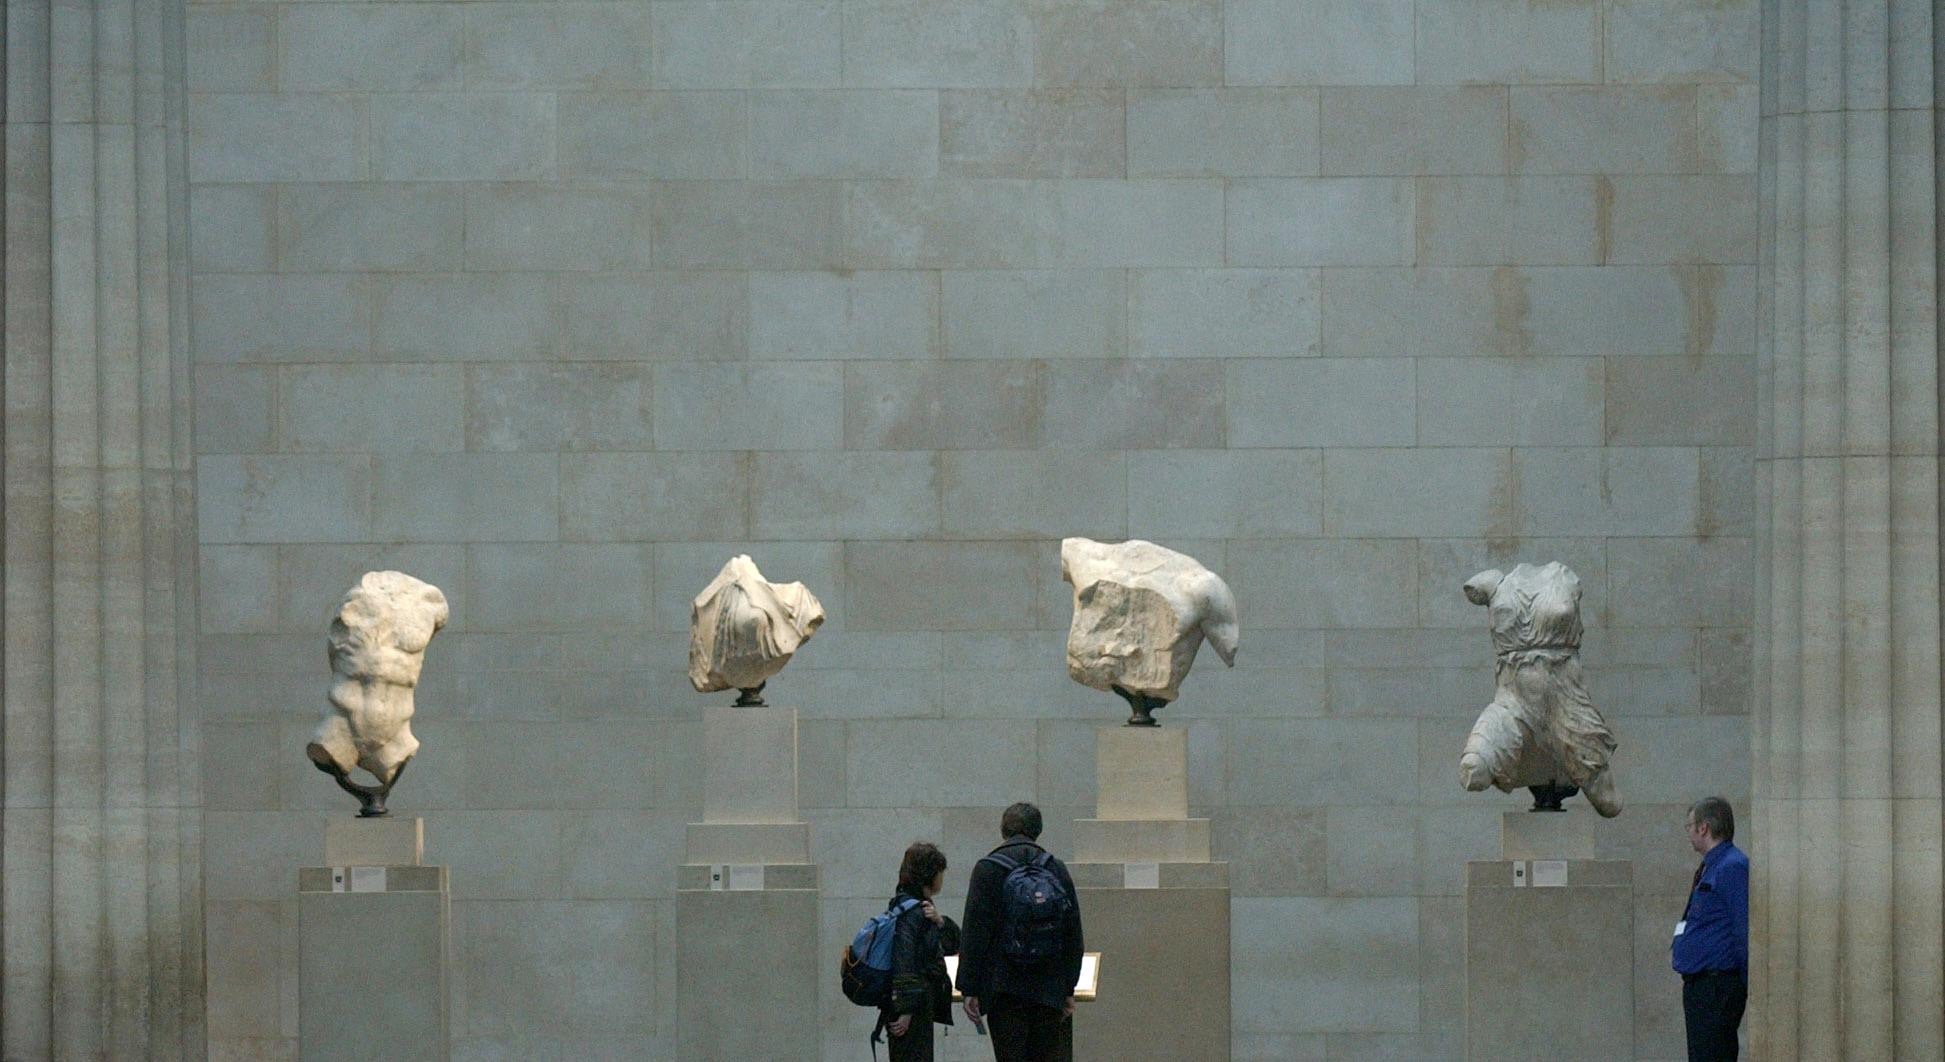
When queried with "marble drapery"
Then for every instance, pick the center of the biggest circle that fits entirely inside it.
(101, 927)
(1845, 838)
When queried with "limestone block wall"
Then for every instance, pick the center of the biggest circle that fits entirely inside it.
(557, 305)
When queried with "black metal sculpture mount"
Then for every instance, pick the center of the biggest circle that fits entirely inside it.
(1144, 706)
(1550, 796)
(750, 696)
(371, 798)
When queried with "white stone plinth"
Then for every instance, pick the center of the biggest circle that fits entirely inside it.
(386, 841)
(1141, 772)
(1549, 969)
(1141, 841)
(1142, 802)
(749, 766)
(748, 969)
(749, 789)
(1547, 835)
(747, 842)
(372, 966)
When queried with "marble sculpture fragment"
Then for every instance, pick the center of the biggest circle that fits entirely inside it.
(1541, 730)
(1140, 614)
(377, 646)
(743, 629)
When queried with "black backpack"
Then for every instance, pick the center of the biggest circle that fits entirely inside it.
(1034, 909)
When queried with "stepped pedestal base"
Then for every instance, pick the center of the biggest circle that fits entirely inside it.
(374, 936)
(1155, 907)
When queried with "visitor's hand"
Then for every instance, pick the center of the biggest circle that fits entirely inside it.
(901, 1026)
(932, 913)
(1068, 1007)
(972, 1008)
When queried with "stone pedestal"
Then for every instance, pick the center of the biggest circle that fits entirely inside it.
(1549, 947)
(746, 916)
(749, 764)
(374, 936)
(1142, 807)
(1156, 907)
(380, 842)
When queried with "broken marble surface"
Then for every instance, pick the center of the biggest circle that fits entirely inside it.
(1541, 729)
(377, 644)
(744, 628)
(1140, 614)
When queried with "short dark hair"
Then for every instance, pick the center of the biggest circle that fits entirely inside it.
(1021, 820)
(923, 864)
(1715, 813)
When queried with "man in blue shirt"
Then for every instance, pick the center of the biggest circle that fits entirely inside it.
(1711, 948)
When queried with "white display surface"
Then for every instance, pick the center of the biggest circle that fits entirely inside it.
(1084, 990)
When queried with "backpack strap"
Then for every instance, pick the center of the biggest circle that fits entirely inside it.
(896, 909)
(1009, 863)
(899, 910)
(1004, 862)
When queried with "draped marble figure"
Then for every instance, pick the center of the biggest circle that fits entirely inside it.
(377, 646)
(744, 628)
(1140, 614)
(1541, 730)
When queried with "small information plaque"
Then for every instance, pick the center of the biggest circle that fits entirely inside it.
(1141, 875)
(340, 881)
(1519, 873)
(745, 877)
(1549, 873)
(367, 879)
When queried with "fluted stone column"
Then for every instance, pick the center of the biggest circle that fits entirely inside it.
(1846, 927)
(101, 925)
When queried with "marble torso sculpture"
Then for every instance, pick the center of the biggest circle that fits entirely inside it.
(378, 642)
(1541, 729)
(744, 628)
(1140, 614)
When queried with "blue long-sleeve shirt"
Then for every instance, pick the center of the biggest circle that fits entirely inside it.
(1714, 931)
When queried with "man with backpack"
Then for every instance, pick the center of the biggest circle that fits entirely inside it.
(1021, 945)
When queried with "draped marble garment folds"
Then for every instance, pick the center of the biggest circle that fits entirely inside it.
(744, 628)
(1541, 727)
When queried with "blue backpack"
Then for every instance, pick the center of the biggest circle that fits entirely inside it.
(866, 965)
(1034, 909)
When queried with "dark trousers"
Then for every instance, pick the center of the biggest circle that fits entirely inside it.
(1029, 1032)
(1712, 1003)
(915, 1045)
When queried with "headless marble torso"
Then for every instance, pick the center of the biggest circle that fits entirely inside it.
(1540, 730)
(1140, 614)
(744, 628)
(377, 647)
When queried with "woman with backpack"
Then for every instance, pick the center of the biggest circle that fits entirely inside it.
(920, 993)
